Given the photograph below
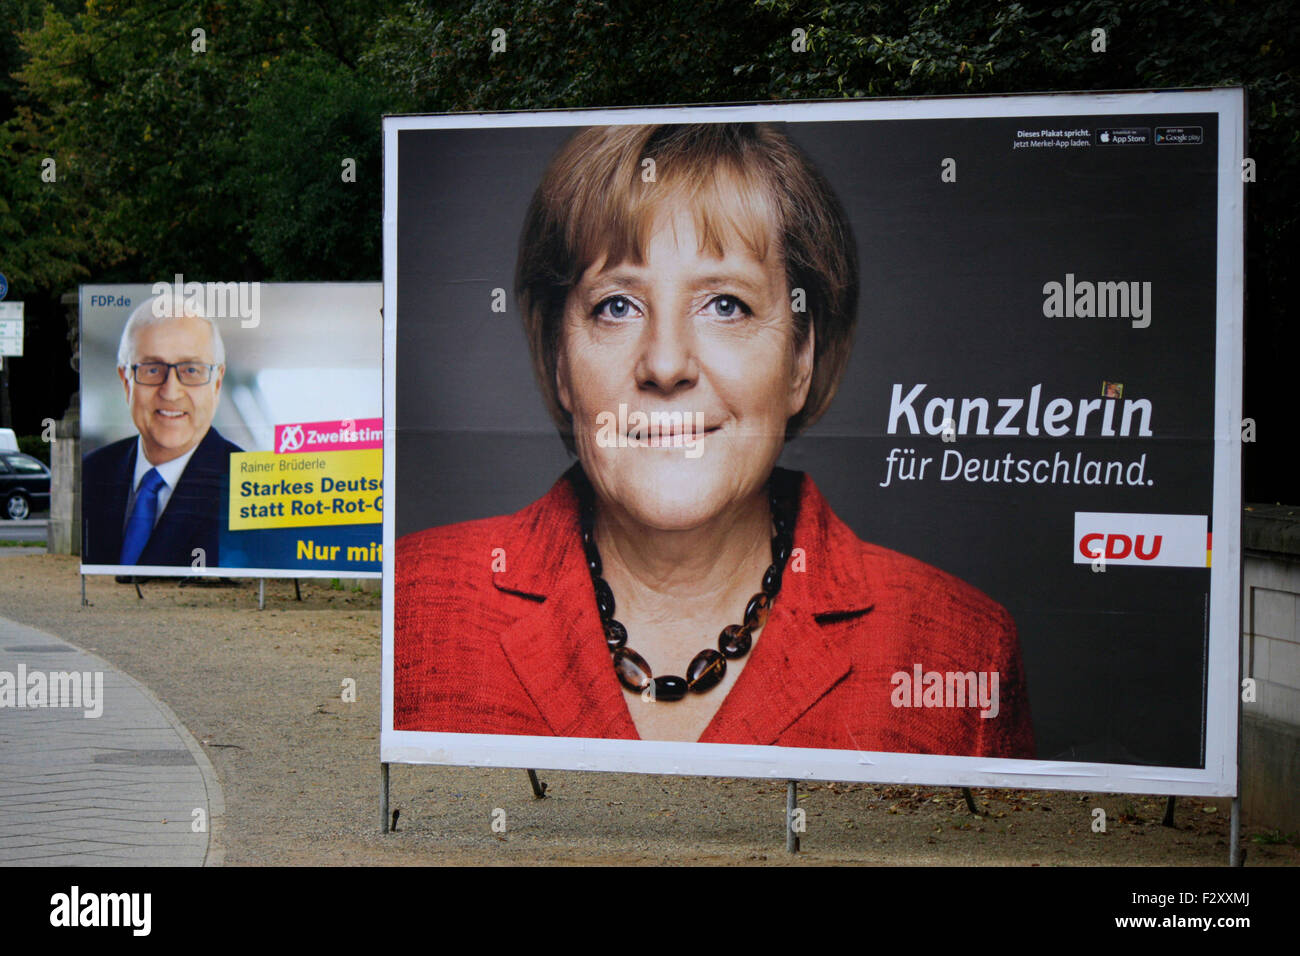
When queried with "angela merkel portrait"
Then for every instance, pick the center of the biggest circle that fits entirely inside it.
(689, 295)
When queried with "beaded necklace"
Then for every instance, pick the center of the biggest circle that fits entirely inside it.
(708, 667)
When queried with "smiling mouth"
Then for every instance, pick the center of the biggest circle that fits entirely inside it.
(171, 414)
(657, 438)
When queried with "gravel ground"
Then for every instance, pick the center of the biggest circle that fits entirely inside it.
(300, 768)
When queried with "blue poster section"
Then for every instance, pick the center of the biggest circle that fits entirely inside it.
(349, 547)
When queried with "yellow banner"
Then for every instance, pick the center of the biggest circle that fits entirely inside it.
(293, 491)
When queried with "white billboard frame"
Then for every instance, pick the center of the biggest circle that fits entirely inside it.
(192, 571)
(1218, 777)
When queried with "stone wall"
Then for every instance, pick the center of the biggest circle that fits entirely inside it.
(64, 534)
(1270, 752)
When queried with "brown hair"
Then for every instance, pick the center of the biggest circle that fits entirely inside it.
(598, 199)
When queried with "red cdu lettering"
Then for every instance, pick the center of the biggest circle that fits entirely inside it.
(1155, 549)
(1117, 547)
(1113, 542)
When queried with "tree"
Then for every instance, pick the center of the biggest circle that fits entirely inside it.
(312, 157)
(151, 112)
(225, 161)
(585, 53)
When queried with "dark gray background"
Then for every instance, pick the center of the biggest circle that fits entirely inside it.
(951, 295)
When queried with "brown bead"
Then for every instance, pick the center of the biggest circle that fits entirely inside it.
(706, 670)
(772, 580)
(632, 670)
(615, 634)
(667, 689)
(756, 611)
(782, 545)
(735, 641)
(604, 599)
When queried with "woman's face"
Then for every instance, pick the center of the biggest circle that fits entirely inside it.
(685, 332)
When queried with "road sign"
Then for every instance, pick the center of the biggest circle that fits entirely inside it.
(11, 328)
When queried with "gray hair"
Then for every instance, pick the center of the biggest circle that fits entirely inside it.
(143, 315)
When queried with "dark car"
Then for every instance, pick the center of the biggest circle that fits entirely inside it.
(24, 484)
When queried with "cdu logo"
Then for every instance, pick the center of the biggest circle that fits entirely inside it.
(1143, 540)
(290, 438)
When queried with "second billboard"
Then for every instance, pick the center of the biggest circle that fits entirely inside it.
(232, 429)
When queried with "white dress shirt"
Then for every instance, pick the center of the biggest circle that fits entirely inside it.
(169, 471)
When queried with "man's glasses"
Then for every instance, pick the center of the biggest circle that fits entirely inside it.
(187, 373)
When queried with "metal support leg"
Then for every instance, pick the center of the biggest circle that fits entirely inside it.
(1170, 804)
(539, 788)
(1235, 856)
(970, 801)
(791, 804)
(297, 589)
(83, 590)
(383, 798)
(261, 594)
(138, 592)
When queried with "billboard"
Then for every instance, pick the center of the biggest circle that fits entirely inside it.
(231, 429)
(870, 440)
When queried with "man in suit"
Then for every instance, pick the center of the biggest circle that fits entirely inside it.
(159, 497)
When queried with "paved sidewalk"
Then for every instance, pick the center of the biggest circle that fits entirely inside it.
(119, 789)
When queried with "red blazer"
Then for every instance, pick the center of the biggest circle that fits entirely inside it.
(521, 651)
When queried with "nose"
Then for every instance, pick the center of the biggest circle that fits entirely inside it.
(171, 388)
(667, 360)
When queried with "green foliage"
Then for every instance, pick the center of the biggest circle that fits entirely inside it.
(141, 129)
(46, 235)
(165, 143)
(35, 446)
(900, 48)
(16, 17)
(577, 53)
(226, 163)
(304, 121)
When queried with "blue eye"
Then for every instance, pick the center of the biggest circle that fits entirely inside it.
(615, 307)
(728, 307)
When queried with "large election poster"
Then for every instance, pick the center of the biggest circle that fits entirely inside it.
(231, 428)
(873, 440)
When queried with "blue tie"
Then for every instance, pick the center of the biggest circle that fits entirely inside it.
(140, 525)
